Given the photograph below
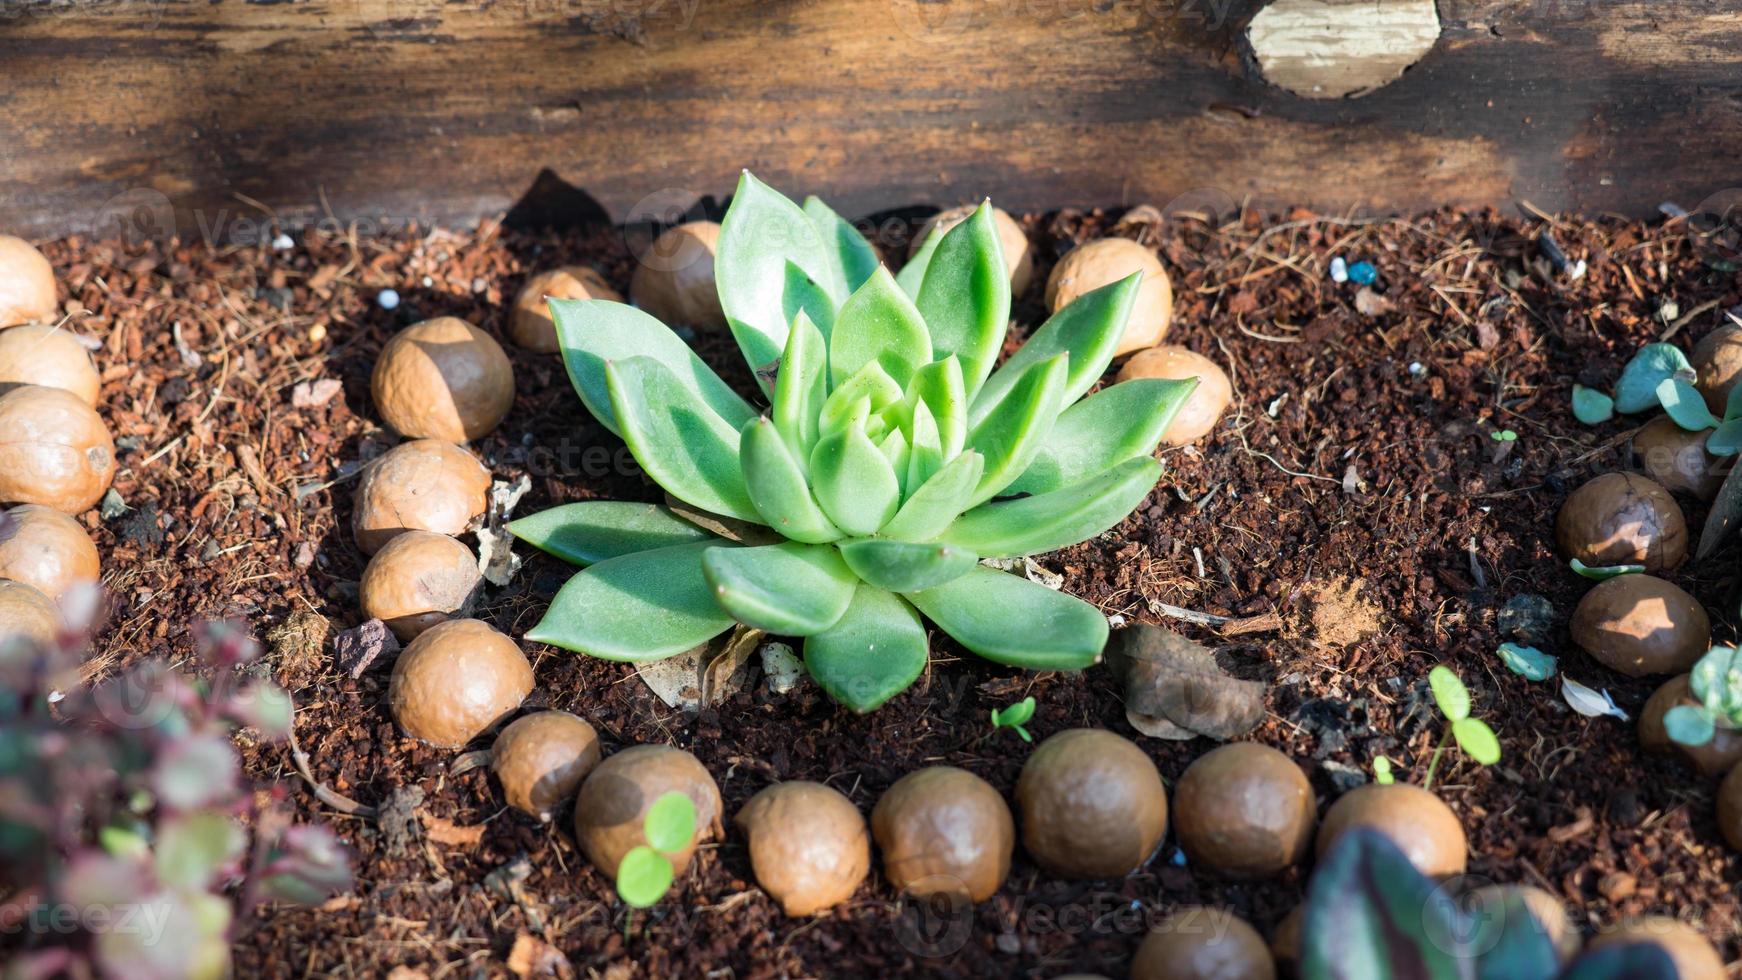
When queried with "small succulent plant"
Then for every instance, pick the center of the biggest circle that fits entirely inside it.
(1370, 915)
(1716, 682)
(892, 455)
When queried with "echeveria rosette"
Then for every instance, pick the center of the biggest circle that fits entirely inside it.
(890, 459)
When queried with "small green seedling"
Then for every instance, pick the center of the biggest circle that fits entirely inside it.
(1504, 435)
(1382, 771)
(646, 872)
(1603, 572)
(1472, 734)
(1015, 717)
(1716, 682)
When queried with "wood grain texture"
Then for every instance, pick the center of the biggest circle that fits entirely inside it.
(152, 114)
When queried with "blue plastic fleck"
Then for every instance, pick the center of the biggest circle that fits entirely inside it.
(1363, 273)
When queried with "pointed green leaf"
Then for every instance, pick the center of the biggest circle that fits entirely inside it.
(965, 297)
(1637, 389)
(792, 589)
(872, 385)
(644, 606)
(1062, 517)
(643, 877)
(1591, 406)
(926, 454)
(671, 822)
(1726, 439)
(851, 258)
(1477, 740)
(801, 387)
(777, 486)
(594, 530)
(1009, 620)
(872, 654)
(878, 323)
(937, 503)
(905, 566)
(1103, 430)
(912, 275)
(682, 444)
(1685, 405)
(593, 332)
(1013, 431)
(853, 482)
(1449, 693)
(770, 264)
(939, 384)
(1088, 330)
(1371, 916)
(894, 448)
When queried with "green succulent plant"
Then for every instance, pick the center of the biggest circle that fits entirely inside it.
(1716, 683)
(893, 454)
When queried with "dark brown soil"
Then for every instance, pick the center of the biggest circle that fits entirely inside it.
(1354, 495)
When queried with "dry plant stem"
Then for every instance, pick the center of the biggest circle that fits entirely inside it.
(325, 794)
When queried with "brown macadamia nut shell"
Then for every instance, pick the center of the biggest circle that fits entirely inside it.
(611, 811)
(47, 550)
(427, 485)
(1622, 519)
(26, 614)
(1422, 826)
(1691, 951)
(1641, 625)
(1714, 758)
(530, 324)
(809, 845)
(49, 357)
(1730, 808)
(1244, 810)
(27, 293)
(443, 379)
(1018, 256)
(1208, 401)
(1677, 459)
(1285, 939)
(944, 831)
(1198, 943)
(1092, 804)
(419, 579)
(674, 278)
(541, 759)
(456, 681)
(1717, 364)
(1108, 260)
(54, 450)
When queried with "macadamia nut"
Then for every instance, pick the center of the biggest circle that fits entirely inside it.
(54, 450)
(1092, 804)
(1677, 458)
(611, 811)
(1717, 364)
(27, 293)
(1108, 260)
(419, 579)
(47, 550)
(443, 379)
(1198, 943)
(944, 831)
(26, 615)
(49, 357)
(456, 681)
(1244, 810)
(1641, 625)
(542, 758)
(427, 485)
(1417, 821)
(674, 278)
(1622, 519)
(809, 845)
(531, 326)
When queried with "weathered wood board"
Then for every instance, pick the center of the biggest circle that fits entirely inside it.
(156, 115)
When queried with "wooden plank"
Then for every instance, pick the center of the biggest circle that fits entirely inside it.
(167, 114)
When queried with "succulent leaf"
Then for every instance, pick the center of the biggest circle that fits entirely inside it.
(872, 654)
(1088, 330)
(682, 444)
(939, 384)
(926, 451)
(645, 606)
(594, 530)
(1103, 430)
(1370, 915)
(878, 324)
(850, 257)
(1009, 620)
(1012, 432)
(792, 589)
(770, 264)
(965, 297)
(906, 566)
(936, 504)
(912, 275)
(1049, 521)
(801, 387)
(854, 482)
(871, 384)
(593, 332)
(778, 488)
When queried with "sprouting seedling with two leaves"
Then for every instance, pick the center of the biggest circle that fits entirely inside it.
(1716, 683)
(1472, 734)
(1660, 375)
(646, 872)
(1014, 717)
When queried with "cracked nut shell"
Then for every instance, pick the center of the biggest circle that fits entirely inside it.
(1018, 256)
(456, 681)
(1641, 625)
(809, 845)
(1092, 804)
(1199, 943)
(1717, 363)
(1691, 951)
(530, 324)
(1622, 519)
(54, 450)
(1422, 826)
(1244, 810)
(1208, 400)
(427, 485)
(674, 278)
(26, 614)
(443, 379)
(1108, 260)
(49, 357)
(27, 293)
(541, 759)
(944, 831)
(47, 550)
(418, 579)
(611, 811)
(1677, 458)
(1714, 758)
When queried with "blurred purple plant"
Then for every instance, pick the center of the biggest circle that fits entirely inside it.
(130, 847)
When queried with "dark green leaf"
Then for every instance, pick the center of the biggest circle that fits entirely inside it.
(792, 589)
(1591, 406)
(1088, 330)
(683, 445)
(1637, 389)
(1725, 513)
(1009, 620)
(637, 607)
(594, 530)
(903, 566)
(1104, 430)
(1013, 431)
(1033, 525)
(1514, 944)
(965, 297)
(1726, 439)
(770, 264)
(594, 332)
(878, 323)
(1371, 916)
(876, 650)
